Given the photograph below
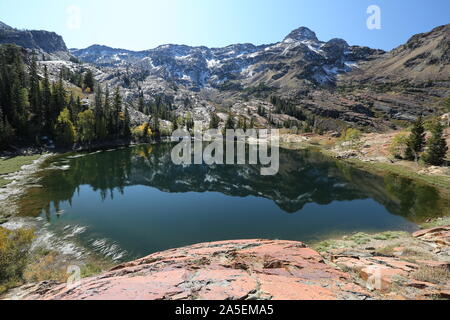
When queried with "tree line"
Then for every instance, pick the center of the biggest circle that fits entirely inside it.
(33, 107)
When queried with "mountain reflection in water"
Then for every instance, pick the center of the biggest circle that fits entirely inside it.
(139, 199)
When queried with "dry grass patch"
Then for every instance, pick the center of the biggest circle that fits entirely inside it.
(432, 275)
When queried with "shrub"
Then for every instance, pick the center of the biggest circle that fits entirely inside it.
(352, 136)
(399, 145)
(14, 250)
(64, 129)
(142, 133)
(432, 275)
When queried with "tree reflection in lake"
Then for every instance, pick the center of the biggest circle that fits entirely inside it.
(135, 196)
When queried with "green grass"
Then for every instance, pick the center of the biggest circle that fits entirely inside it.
(441, 182)
(13, 165)
(444, 221)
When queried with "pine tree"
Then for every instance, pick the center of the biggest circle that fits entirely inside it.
(416, 141)
(141, 102)
(101, 130)
(46, 101)
(215, 121)
(155, 127)
(126, 126)
(447, 109)
(144, 136)
(6, 131)
(116, 110)
(35, 93)
(23, 112)
(89, 81)
(108, 112)
(229, 124)
(436, 146)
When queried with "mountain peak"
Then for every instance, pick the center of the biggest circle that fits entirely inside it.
(302, 33)
(4, 26)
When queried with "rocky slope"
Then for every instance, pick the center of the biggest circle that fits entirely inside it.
(300, 56)
(48, 44)
(425, 57)
(410, 80)
(333, 84)
(327, 85)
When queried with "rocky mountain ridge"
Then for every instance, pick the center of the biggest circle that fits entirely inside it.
(325, 86)
(199, 67)
(49, 44)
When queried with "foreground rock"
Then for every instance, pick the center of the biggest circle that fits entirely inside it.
(231, 270)
(397, 265)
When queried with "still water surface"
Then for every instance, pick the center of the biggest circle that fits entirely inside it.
(135, 201)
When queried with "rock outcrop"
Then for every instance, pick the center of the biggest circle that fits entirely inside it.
(39, 41)
(399, 266)
(228, 270)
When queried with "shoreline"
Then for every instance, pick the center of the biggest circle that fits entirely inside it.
(375, 161)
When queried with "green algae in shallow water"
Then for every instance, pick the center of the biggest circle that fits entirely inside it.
(136, 198)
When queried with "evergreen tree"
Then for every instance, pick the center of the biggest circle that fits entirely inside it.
(116, 110)
(101, 130)
(89, 81)
(447, 109)
(416, 141)
(145, 136)
(6, 131)
(240, 124)
(35, 94)
(46, 101)
(126, 126)
(215, 121)
(436, 146)
(23, 112)
(155, 127)
(189, 122)
(107, 110)
(229, 124)
(141, 102)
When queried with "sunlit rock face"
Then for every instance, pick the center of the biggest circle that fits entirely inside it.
(227, 270)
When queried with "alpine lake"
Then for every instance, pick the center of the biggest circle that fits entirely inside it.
(131, 202)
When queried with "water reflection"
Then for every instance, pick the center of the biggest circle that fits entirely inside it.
(136, 199)
(305, 177)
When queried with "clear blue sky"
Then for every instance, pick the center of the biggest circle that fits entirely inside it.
(145, 24)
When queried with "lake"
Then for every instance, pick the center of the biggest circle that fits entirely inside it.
(134, 201)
